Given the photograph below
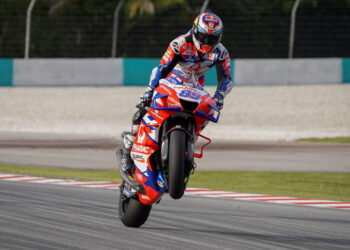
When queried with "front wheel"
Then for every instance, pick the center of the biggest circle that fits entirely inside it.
(132, 212)
(177, 164)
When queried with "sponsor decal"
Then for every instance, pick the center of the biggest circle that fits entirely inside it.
(160, 184)
(155, 113)
(167, 56)
(172, 104)
(140, 148)
(211, 18)
(137, 157)
(145, 197)
(188, 52)
(186, 47)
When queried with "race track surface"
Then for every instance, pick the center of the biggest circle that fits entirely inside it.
(250, 156)
(39, 216)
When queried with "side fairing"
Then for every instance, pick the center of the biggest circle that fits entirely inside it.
(146, 144)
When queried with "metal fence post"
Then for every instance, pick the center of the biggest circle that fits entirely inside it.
(115, 28)
(292, 28)
(28, 22)
(205, 5)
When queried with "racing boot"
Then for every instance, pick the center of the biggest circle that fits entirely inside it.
(127, 164)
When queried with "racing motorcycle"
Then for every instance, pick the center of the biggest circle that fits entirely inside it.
(164, 148)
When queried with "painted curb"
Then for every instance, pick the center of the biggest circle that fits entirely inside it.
(199, 192)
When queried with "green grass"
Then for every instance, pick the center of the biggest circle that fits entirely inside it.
(84, 175)
(329, 186)
(327, 140)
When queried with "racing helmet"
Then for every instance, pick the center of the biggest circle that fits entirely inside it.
(207, 31)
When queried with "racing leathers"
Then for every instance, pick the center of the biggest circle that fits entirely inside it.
(183, 57)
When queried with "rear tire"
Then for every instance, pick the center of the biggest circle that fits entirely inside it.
(132, 212)
(177, 164)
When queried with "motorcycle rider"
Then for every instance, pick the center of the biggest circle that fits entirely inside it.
(195, 52)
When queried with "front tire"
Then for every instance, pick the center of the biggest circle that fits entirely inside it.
(177, 163)
(132, 212)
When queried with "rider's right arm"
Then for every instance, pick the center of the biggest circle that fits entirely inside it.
(170, 58)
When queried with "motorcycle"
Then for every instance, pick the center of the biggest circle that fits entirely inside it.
(164, 148)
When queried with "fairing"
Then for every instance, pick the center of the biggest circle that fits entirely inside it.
(166, 102)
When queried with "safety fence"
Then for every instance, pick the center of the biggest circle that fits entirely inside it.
(136, 72)
(253, 28)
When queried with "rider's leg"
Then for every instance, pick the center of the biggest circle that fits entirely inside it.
(128, 139)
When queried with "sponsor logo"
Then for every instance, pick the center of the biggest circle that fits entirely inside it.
(185, 47)
(211, 18)
(160, 184)
(188, 52)
(140, 148)
(167, 56)
(145, 197)
(138, 158)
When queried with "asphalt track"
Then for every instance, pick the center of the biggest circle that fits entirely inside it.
(251, 156)
(40, 216)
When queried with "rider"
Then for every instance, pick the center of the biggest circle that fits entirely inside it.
(195, 52)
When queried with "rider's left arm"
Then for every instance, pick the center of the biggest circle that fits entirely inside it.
(223, 71)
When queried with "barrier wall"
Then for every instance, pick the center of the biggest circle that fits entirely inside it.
(288, 72)
(136, 72)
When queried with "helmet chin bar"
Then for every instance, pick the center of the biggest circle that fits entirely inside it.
(204, 49)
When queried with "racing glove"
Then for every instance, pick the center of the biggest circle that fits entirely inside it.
(147, 96)
(219, 100)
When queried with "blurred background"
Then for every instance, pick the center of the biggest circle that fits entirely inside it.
(294, 52)
(253, 28)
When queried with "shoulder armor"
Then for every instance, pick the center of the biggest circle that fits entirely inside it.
(178, 42)
(223, 53)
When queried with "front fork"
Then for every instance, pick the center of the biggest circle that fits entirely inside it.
(164, 149)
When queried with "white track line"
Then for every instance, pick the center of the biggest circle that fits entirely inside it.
(199, 192)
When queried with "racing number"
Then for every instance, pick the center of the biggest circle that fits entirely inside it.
(190, 94)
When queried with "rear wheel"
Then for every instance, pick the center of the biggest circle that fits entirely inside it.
(177, 163)
(132, 212)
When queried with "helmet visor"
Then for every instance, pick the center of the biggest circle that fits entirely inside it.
(206, 39)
